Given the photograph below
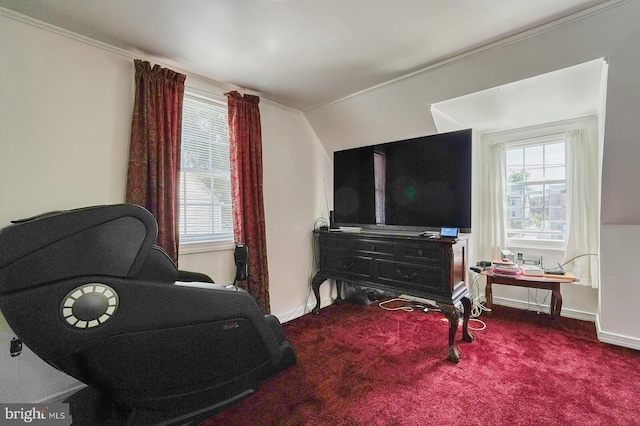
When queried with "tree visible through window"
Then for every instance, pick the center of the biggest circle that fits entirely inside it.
(536, 191)
(205, 183)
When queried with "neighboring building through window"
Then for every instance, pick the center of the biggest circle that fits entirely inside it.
(205, 183)
(536, 190)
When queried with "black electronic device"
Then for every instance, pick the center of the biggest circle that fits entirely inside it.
(555, 271)
(447, 232)
(420, 183)
(241, 257)
(15, 347)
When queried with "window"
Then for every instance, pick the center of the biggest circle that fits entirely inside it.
(380, 179)
(536, 190)
(205, 182)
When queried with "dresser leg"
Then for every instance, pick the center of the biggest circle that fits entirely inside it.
(452, 315)
(315, 285)
(339, 299)
(466, 335)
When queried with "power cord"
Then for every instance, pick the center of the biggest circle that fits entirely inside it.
(477, 308)
(426, 309)
(405, 308)
(534, 298)
(575, 257)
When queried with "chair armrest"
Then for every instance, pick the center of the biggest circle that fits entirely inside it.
(188, 276)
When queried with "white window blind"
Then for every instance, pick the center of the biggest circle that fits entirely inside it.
(205, 183)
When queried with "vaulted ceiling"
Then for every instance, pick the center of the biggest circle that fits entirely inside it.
(299, 53)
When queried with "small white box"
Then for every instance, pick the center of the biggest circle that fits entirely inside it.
(532, 271)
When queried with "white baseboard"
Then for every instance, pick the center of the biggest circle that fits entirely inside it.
(569, 313)
(304, 309)
(512, 303)
(616, 339)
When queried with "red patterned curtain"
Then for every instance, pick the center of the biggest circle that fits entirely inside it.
(154, 152)
(245, 145)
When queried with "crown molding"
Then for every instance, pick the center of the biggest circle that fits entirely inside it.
(578, 16)
(134, 54)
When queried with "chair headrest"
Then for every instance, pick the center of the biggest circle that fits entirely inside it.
(98, 240)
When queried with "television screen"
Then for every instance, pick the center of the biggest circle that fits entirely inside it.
(423, 183)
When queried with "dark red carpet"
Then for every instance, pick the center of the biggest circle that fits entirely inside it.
(360, 365)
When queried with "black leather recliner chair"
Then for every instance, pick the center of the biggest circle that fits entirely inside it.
(89, 293)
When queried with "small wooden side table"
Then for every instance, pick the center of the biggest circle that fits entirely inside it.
(546, 282)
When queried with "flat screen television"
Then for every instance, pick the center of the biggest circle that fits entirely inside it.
(419, 184)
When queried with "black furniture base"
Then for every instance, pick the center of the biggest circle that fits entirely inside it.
(434, 269)
(89, 293)
(90, 407)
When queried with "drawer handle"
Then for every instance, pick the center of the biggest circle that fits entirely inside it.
(407, 277)
(346, 265)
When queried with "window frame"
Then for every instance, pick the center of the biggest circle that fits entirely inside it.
(524, 141)
(204, 243)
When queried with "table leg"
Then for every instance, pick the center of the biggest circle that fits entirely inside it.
(556, 302)
(488, 294)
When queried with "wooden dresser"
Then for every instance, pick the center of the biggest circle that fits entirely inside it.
(430, 268)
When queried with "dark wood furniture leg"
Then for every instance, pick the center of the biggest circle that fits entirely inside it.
(338, 300)
(488, 294)
(452, 315)
(466, 335)
(556, 301)
(452, 312)
(315, 285)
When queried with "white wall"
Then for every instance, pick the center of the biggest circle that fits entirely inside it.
(295, 167)
(65, 120)
(400, 110)
(620, 217)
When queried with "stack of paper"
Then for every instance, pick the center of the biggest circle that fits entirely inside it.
(505, 268)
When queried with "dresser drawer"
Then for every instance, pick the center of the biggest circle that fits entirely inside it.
(331, 242)
(412, 277)
(375, 246)
(423, 253)
(347, 266)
